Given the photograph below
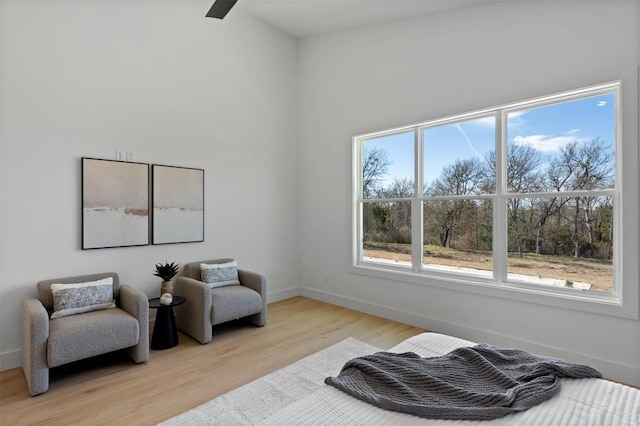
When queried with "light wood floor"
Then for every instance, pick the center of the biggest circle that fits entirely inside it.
(114, 390)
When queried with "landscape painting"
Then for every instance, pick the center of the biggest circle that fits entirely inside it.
(178, 204)
(115, 204)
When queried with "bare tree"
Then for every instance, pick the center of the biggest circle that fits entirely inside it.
(463, 177)
(591, 166)
(399, 188)
(400, 212)
(375, 164)
(545, 209)
(594, 165)
(523, 175)
(555, 179)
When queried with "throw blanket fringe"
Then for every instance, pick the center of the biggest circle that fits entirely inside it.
(483, 382)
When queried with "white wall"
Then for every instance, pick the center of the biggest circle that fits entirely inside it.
(406, 72)
(157, 78)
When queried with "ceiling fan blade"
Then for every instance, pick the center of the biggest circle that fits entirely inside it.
(220, 8)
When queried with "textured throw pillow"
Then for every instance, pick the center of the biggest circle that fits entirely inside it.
(219, 274)
(71, 299)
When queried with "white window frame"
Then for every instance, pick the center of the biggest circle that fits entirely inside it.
(499, 285)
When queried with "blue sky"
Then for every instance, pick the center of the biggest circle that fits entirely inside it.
(546, 129)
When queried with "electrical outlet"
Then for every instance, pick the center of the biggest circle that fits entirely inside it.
(119, 155)
(131, 156)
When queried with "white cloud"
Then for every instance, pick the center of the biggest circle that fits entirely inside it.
(513, 118)
(544, 143)
(486, 121)
(517, 114)
(572, 131)
(602, 103)
(516, 120)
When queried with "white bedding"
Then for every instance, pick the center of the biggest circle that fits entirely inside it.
(580, 402)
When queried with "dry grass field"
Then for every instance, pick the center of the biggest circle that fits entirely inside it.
(598, 273)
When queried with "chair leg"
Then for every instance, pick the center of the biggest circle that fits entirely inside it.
(140, 352)
(37, 379)
(259, 319)
(35, 334)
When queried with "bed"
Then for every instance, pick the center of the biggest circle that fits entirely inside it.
(580, 401)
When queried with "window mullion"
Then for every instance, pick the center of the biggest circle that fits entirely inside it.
(500, 238)
(357, 216)
(417, 221)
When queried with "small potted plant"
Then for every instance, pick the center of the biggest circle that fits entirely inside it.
(167, 272)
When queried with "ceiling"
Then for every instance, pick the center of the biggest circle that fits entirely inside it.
(308, 18)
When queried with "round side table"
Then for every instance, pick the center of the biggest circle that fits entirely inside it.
(165, 332)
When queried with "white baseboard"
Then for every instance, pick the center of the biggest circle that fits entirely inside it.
(10, 359)
(615, 371)
(288, 293)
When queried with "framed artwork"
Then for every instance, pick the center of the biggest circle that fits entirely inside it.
(178, 204)
(115, 204)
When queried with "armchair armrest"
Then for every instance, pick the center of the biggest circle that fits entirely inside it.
(194, 316)
(254, 281)
(135, 303)
(35, 333)
(257, 282)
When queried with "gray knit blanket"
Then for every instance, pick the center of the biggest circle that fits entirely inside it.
(483, 382)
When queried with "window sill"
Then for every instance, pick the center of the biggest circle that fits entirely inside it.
(591, 302)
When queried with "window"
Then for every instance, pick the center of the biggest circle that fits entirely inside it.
(522, 196)
(388, 189)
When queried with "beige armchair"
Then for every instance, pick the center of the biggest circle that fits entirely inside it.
(49, 343)
(206, 306)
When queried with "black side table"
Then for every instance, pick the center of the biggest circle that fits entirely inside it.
(165, 332)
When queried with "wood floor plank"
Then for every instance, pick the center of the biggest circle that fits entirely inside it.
(112, 389)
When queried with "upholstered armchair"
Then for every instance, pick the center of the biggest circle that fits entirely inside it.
(81, 327)
(209, 304)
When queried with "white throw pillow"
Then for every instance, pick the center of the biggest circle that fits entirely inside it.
(220, 274)
(71, 299)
